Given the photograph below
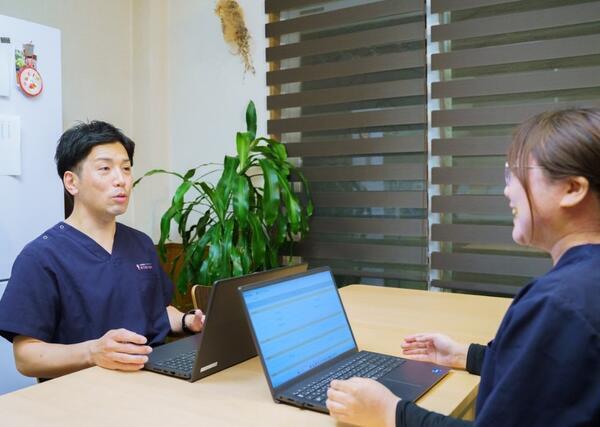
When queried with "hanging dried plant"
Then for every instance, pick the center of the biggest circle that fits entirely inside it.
(234, 30)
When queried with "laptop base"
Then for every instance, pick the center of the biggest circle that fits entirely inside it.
(406, 378)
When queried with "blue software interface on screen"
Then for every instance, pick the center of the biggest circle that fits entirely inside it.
(299, 324)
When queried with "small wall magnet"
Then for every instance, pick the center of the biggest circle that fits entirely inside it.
(29, 78)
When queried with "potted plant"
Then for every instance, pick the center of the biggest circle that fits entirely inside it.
(236, 226)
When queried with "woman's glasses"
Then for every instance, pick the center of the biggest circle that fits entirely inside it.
(508, 171)
(507, 174)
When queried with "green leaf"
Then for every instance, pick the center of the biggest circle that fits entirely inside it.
(241, 199)
(174, 265)
(236, 262)
(178, 199)
(215, 254)
(242, 142)
(183, 230)
(279, 150)
(228, 179)
(227, 244)
(258, 241)
(306, 189)
(197, 260)
(154, 172)
(271, 197)
(280, 231)
(251, 119)
(182, 281)
(202, 223)
(272, 253)
(203, 276)
(272, 155)
(165, 228)
(274, 148)
(190, 173)
(244, 250)
(216, 202)
(292, 206)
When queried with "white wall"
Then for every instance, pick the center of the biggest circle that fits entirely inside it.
(96, 49)
(207, 85)
(150, 112)
(96, 56)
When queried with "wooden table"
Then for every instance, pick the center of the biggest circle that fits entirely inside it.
(380, 317)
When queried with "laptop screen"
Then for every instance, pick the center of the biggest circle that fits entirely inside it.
(299, 324)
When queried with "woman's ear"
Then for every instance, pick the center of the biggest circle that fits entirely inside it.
(71, 182)
(577, 188)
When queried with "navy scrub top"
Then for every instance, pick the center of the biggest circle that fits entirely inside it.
(543, 366)
(65, 288)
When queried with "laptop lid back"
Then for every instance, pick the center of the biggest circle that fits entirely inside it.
(226, 339)
(298, 324)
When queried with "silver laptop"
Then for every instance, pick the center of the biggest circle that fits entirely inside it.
(304, 341)
(225, 340)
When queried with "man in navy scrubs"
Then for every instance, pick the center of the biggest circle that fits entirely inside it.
(90, 291)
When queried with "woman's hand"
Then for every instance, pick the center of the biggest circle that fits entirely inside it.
(436, 348)
(362, 401)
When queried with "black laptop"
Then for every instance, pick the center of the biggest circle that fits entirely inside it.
(304, 341)
(225, 340)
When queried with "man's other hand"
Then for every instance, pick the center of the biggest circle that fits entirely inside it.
(195, 323)
(120, 349)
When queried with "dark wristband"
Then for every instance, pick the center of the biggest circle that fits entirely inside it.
(184, 327)
(475, 357)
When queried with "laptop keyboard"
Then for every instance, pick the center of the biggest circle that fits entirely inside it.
(363, 364)
(183, 362)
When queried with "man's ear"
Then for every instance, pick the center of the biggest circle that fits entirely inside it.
(577, 188)
(71, 182)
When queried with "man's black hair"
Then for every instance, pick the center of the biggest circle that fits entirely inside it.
(76, 143)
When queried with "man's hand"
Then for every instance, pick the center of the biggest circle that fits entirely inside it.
(119, 349)
(195, 322)
(362, 401)
(436, 348)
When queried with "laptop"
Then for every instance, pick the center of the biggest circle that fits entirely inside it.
(225, 339)
(304, 340)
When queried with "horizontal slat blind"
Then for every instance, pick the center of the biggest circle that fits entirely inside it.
(347, 97)
(368, 199)
(366, 173)
(348, 15)
(506, 23)
(346, 147)
(361, 39)
(347, 94)
(387, 226)
(351, 120)
(450, 5)
(499, 62)
(377, 64)
(515, 53)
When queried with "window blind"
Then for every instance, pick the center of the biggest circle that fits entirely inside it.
(348, 98)
(499, 63)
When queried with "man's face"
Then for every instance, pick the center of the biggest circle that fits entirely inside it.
(102, 183)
